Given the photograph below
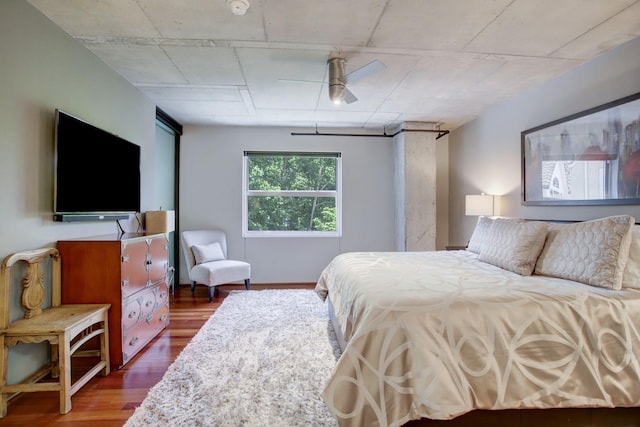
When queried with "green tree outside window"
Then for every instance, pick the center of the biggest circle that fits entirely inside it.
(292, 192)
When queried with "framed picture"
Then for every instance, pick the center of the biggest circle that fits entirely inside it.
(588, 158)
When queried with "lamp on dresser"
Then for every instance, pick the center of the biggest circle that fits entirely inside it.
(160, 222)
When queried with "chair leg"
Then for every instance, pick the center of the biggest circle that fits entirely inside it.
(104, 345)
(55, 370)
(193, 286)
(64, 364)
(3, 376)
(212, 290)
(247, 283)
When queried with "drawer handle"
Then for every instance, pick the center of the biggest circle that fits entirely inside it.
(163, 317)
(163, 294)
(133, 314)
(133, 341)
(149, 303)
(149, 318)
(125, 282)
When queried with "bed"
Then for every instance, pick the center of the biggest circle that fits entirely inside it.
(531, 315)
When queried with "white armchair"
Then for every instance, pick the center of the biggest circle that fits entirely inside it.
(205, 252)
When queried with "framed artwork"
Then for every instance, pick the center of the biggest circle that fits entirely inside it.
(588, 158)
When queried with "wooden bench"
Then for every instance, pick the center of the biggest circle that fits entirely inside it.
(67, 328)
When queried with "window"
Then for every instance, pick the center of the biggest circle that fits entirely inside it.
(291, 194)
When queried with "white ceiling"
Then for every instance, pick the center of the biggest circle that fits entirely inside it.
(446, 61)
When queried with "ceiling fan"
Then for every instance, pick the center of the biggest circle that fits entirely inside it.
(338, 80)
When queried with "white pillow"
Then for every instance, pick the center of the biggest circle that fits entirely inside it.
(513, 245)
(207, 253)
(631, 276)
(479, 235)
(592, 252)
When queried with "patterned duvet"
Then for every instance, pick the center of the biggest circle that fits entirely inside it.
(438, 334)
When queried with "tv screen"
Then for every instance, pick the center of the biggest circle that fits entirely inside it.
(96, 172)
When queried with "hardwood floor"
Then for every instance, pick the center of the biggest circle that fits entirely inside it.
(110, 401)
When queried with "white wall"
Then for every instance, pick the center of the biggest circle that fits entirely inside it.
(211, 196)
(43, 68)
(485, 154)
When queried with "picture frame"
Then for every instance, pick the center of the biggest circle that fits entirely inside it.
(588, 158)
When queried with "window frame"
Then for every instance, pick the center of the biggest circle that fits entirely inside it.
(246, 193)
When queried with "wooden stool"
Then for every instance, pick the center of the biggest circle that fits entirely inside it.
(66, 328)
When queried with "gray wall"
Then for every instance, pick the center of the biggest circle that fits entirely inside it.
(43, 68)
(485, 154)
(211, 196)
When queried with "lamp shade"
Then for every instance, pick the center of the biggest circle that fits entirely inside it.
(160, 221)
(479, 205)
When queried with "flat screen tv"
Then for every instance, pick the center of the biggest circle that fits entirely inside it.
(97, 174)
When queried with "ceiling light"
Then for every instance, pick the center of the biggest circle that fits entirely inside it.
(238, 7)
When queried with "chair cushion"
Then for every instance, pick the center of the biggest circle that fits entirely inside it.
(207, 253)
(220, 272)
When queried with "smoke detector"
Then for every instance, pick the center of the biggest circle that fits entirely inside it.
(238, 7)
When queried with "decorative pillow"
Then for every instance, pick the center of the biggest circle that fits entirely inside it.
(631, 276)
(207, 253)
(479, 235)
(592, 252)
(513, 245)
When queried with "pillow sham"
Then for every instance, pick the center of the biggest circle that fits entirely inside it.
(207, 253)
(631, 276)
(513, 245)
(591, 252)
(479, 235)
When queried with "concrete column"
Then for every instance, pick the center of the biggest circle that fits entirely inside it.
(415, 184)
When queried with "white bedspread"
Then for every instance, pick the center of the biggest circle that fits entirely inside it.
(438, 334)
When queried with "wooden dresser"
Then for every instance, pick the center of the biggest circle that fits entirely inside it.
(129, 272)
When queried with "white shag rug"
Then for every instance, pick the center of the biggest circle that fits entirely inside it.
(262, 359)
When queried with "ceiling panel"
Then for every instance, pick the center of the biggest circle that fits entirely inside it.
(434, 24)
(331, 22)
(541, 27)
(140, 64)
(207, 65)
(98, 17)
(191, 93)
(203, 19)
(613, 32)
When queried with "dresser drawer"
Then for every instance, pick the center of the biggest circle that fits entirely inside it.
(136, 308)
(136, 337)
(162, 295)
(134, 268)
(158, 258)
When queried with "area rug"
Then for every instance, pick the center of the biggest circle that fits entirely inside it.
(262, 359)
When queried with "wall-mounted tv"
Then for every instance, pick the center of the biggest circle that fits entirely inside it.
(97, 174)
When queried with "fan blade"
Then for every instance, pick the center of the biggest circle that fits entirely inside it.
(349, 97)
(301, 81)
(370, 68)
